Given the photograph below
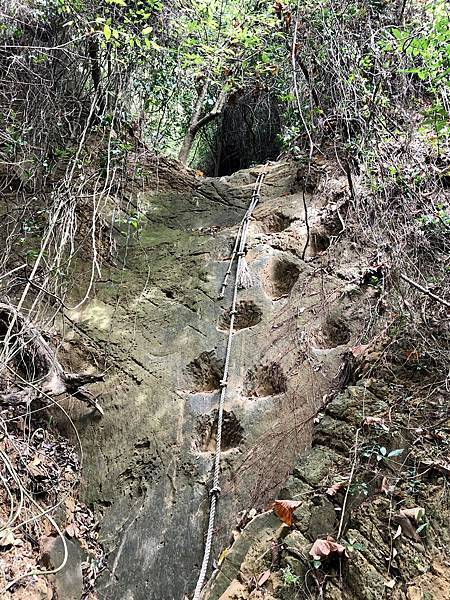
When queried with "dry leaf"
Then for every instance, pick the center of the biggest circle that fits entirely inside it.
(284, 509)
(386, 487)
(70, 504)
(35, 467)
(416, 513)
(323, 548)
(263, 577)
(222, 556)
(7, 537)
(390, 584)
(398, 533)
(373, 421)
(408, 528)
(333, 489)
(359, 350)
(71, 530)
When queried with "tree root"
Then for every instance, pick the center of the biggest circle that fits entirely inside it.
(35, 365)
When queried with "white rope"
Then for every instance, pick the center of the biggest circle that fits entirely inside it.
(239, 251)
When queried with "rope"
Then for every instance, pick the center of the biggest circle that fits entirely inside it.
(214, 493)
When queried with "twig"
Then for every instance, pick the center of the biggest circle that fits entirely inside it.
(424, 290)
(305, 208)
(350, 479)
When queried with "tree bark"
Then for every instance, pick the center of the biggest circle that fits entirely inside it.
(198, 122)
(34, 356)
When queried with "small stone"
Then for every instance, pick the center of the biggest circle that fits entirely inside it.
(297, 541)
(235, 591)
(414, 593)
(68, 581)
(296, 566)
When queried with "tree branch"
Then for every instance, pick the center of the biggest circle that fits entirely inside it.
(424, 290)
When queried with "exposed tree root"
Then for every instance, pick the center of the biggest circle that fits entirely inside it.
(36, 369)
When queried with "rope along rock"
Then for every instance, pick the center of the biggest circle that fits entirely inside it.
(239, 252)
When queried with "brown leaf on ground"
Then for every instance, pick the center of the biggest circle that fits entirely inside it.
(71, 530)
(263, 577)
(36, 468)
(323, 548)
(386, 487)
(374, 421)
(359, 350)
(7, 537)
(408, 528)
(333, 489)
(284, 509)
(416, 513)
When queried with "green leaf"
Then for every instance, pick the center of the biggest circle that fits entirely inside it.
(393, 453)
(147, 30)
(422, 527)
(107, 31)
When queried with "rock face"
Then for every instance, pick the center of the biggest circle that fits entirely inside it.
(156, 321)
(376, 503)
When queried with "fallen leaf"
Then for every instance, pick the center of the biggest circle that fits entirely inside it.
(284, 509)
(322, 548)
(263, 577)
(71, 530)
(36, 468)
(408, 528)
(222, 556)
(359, 350)
(333, 489)
(70, 504)
(390, 584)
(386, 487)
(398, 533)
(416, 513)
(7, 537)
(373, 421)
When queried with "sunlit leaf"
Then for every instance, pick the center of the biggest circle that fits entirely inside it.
(107, 31)
(284, 509)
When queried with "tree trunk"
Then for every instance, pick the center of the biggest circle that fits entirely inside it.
(198, 122)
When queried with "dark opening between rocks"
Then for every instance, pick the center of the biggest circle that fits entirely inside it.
(204, 373)
(248, 314)
(335, 331)
(265, 380)
(319, 241)
(281, 277)
(275, 222)
(232, 432)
